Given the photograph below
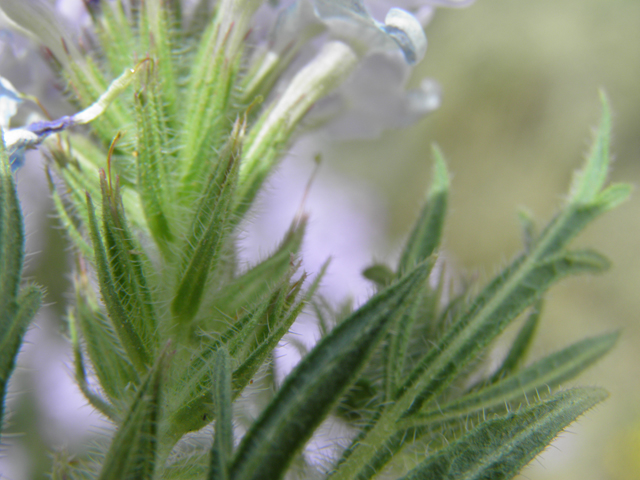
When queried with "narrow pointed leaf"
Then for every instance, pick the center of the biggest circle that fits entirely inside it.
(501, 301)
(116, 374)
(259, 280)
(498, 449)
(131, 341)
(210, 89)
(426, 235)
(280, 302)
(613, 196)
(209, 229)
(152, 145)
(528, 229)
(471, 334)
(17, 308)
(11, 234)
(127, 263)
(132, 454)
(222, 450)
(317, 383)
(520, 345)
(191, 403)
(116, 34)
(541, 376)
(247, 370)
(99, 403)
(15, 320)
(239, 336)
(69, 223)
(588, 182)
(156, 38)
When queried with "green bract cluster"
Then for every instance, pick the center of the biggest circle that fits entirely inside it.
(173, 333)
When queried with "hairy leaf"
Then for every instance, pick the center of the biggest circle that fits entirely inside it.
(152, 144)
(222, 448)
(426, 234)
(133, 450)
(317, 383)
(17, 308)
(128, 264)
(128, 334)
(499, 448)
(15, 321)
(520, 345)
(500, 302)
(259, 280)
(115, 372)
(543, 375)
(208, 231)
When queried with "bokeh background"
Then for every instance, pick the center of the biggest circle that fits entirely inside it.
(520, 82)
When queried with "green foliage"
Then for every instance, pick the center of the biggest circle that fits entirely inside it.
(177, 332)
(500, 447)
(17, 306)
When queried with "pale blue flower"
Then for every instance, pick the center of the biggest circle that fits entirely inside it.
(375, 98)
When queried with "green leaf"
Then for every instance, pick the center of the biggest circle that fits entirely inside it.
(130, 338)
(588, 182)
(157, 27)
(500, 302)
(426, 235)
(17, 308)
(116, 374)
(498, 449)
(259, 327)
(68, 222)
(133, 450)
(250, 342)
(11, 234)
(209, 229)
(520, 345)
(247, 370)
(96, 400)
(528, 229)
(379, 274)
(480, 326)
(261, 279)
(542, 375)
(128, 264)
(153, 172)
(212, 75)
(222, 449)
(317, 383)
(13, 327)
(116, 34)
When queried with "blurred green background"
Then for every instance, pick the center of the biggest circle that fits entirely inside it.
(520, 82)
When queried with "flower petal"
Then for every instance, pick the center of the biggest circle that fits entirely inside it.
(352, 21)
(407, 32)
(10, 99)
